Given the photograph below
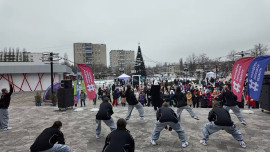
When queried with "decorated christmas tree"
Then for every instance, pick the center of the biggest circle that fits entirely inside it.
(139, 65)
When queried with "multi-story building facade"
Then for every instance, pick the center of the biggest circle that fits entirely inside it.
(122, 61)
(90, 54)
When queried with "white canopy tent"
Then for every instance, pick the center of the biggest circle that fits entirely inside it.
(210, 74)
(123, 77)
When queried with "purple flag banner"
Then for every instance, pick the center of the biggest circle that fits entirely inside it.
(255, 76)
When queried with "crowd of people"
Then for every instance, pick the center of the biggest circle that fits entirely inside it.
(154, 94)
(162, 98)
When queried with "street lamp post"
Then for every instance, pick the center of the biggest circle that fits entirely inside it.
(51, 62)
(50, 57)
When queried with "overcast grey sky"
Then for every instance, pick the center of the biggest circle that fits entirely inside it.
(166, 29)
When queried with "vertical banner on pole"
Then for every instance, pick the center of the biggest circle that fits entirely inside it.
(255, 76)
(83, 86)
(77, 84)
(88, 80)
(238, 76)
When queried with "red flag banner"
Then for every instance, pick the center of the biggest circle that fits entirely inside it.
(238, 76)
(88, 80)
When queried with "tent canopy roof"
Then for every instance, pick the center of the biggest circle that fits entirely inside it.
(123, 76)
(210, 74)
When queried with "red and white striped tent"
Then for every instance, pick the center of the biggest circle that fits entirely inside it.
(29, 76)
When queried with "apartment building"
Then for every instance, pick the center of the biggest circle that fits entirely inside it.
(90, 54)
(122, 61)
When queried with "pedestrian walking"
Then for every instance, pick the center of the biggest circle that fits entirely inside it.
(82, 98)
(105, 112)
(4, 105)
(167, 117)
(220, 119)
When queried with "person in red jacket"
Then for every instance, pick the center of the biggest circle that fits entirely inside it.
(4, 104)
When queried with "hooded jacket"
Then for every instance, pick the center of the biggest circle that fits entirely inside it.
(166, 114)
(5, 99)
(229, 98)
(180, 99)
(119, 141)
(220, 116)
(130, 97)
(47, 139)
(105, 111)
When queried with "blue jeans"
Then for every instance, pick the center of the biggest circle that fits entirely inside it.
(4, 118)
(58, 148)
(82, 102)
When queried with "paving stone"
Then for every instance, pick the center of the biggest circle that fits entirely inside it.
(28, 121)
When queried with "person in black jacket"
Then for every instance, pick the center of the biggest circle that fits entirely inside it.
(220, 119)
(119, 140)
(195, 99)
(105, 112)
(167, 117)
(229, 102)
(4, 104)
(100, 93)
(113, 87)
(115, 97)
(133, 102)
(181, 104)
(47, 140)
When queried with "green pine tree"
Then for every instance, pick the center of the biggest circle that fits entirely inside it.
(139, 65)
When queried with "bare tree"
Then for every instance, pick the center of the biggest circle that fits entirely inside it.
(66, 60)
(191, 61)
(17, 54)
(181, 65)
(258, 50)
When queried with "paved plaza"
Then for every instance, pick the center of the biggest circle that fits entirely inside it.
(28, 121)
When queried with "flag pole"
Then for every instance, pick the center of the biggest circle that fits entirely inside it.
(77, 85)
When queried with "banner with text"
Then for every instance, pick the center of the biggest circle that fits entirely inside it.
(255, 76)
(238, 76)
(88, 80)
